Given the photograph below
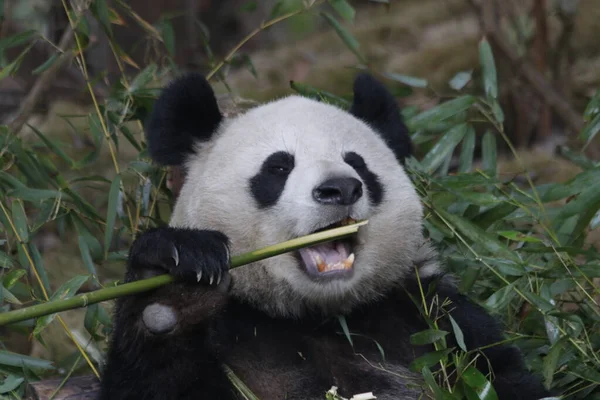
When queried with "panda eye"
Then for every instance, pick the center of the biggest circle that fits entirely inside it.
(279, 169)
(354, 160)
(280, 163)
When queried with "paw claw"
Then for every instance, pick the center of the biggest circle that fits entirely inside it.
(219, 278)
(175, 255)
(210, 282)
(199, 275)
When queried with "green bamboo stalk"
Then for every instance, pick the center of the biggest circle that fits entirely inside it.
(85, 299)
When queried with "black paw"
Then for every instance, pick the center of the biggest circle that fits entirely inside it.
(189, 255)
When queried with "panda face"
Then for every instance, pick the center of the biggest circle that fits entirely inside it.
(293, 167)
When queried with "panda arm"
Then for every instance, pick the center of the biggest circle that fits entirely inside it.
(512, 380)
(160, 345)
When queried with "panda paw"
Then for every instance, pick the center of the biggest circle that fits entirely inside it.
(190, 255)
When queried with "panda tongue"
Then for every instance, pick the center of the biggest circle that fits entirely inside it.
(327, 257)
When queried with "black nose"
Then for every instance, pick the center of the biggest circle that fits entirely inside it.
(339, 191)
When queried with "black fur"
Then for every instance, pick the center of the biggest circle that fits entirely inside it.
(185, 112)
(376, 106)
(280, 357)
(266, 186)
(371, 179)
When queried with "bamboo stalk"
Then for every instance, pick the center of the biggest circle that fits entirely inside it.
(97, 296)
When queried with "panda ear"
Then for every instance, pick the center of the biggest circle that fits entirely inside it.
(376, 106)
(186, 111)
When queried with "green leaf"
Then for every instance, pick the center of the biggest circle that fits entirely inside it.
(444, 148)
(497, 111)
(20, 220)
(429, 359)
(591, 130)
(6, 261)
(13, 277)
(519, 237)
(478, 382)
(17, 39)
(8, 296)
(502, 297)
(461, 79)
(317, 94)
(344, 325)
(551, 362)
(50, 144)
(11, 383)
(168, 35)
(86, 256)
(431, 382)
(479, 236)
(99, 9)
(407, 80)
(35, 195)
(489, 153)
(113, 199)
(346, 36)
(427, 336)
(47, 64)
(486, 59)
(467, 151)
(440, 113)
(344, 9)
(19, 361)
(458, 334)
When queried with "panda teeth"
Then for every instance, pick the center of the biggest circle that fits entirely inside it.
(321, 264)
(348, 262)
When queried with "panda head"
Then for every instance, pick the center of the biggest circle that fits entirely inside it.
(290, 168)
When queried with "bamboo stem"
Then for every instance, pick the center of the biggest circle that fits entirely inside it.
(85, 299)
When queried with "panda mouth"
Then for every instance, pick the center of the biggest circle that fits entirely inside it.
(331, 258)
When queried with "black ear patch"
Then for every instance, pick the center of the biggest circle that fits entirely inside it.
(376, 106)
(185, 112)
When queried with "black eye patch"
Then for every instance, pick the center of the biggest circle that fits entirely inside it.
(268, 184)
(374, 187)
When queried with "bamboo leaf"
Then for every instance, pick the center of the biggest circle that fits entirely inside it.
(479, 383)
(429, 359)
(20, 221)
(458, 334)
(344, 9)
(444, 148)
(427, 336)
(489, 153)
(465, 163)
(486, 59)
(479, 236)
(591, 130)
(11, 382)
(111, 215)
(46, 64)
(440, 113)
(18, 360)
(407, 80)
(346, 36)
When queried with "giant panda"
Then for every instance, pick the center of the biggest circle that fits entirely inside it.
(293, 326)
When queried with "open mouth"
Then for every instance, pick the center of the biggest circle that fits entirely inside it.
(334, 258)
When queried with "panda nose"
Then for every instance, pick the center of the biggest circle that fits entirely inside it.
(338, 191)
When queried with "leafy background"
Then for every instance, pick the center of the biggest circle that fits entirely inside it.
(524, 249)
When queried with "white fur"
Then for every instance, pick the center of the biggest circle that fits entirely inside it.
(216, 195)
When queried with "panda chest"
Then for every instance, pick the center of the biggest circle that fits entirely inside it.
(283, 361)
